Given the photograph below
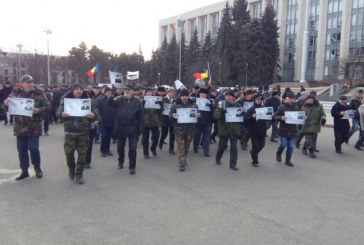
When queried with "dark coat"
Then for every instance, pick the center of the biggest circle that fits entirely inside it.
(129, 116)
(4, 93)
(226, 129)
(340, 125)
(165, 120)
(255, 127)
(106, 112)
(286, 130)
(354, 105)
(182, 128)
(272, 102)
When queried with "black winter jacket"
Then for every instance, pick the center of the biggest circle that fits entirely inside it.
(340, 125)
(255, 127)
(286, 130)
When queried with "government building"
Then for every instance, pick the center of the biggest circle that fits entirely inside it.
(319, 39)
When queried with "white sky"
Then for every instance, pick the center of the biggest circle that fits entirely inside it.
(112, 25)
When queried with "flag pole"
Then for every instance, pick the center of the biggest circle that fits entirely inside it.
(180, 48)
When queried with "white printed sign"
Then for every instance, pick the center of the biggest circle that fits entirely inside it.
(77, 107)
(349, 114)
(264, 113)
(166, 109)
(152, 102)
(203, 104)
(186, 115)
(21, 106)
(234, 114)
(295, 117)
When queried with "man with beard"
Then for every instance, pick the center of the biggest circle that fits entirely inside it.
(183, 131)
(129, 119)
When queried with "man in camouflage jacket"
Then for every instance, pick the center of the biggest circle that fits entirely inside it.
(77, 133)
(28, 129)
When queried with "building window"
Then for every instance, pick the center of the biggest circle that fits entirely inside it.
(192, 25)
(256, 9)
(183, 27)
(275, 4)
(164, 32)
(203, 28)
(215, 25)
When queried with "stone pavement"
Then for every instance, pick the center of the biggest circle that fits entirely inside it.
(317, 202)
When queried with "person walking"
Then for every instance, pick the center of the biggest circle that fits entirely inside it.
(360, 141)
(341, 126)
(129, 119)
(28, 129)
(315, 118)
(166, 123)
(274, 101)
(287, 132)
(183, 131)
(257, 129)
(76, 130)
(227, 131)
(355, 103)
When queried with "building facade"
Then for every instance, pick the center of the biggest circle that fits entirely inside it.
(319, 39)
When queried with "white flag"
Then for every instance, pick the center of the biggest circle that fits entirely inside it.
(179, 84)
(114, 76)
(132, 75)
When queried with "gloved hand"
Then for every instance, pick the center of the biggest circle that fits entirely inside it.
(323, 122)
(158, 102)
(223, 111)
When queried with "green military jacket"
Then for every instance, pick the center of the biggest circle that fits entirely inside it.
(314, 113)
(77, 125)
(30, 126)
(226, 129)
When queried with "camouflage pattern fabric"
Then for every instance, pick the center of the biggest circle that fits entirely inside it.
(30, 126)
(152, 118)
(79, 143)
(183, 145)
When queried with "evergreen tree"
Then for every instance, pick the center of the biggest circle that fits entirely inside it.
(269, 27)
(78, 61)
(193, 57)
(207, 49)
(183, 44)
(171, 61)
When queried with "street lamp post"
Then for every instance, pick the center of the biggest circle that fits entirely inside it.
(219, 72)
(159, 79)
(19, 46)
(246, 75)
(48, 32)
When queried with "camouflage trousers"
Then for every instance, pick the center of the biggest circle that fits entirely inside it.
(310, 141)
(183, 145)
(79, 143)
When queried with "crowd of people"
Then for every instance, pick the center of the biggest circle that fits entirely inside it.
(122, 114)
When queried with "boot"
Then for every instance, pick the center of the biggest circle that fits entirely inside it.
(304, 151)
(24, 174)
(71, 173)
(279, 156)
(79, 179)
(288, 161)
(312, 154)
(38, 172)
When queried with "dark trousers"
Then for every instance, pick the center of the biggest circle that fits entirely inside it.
(133, 143)
(245, 136)
(77, 143)
(53, 114)
(360, 141)
(223, 141)
(202, 135)
(11, 119)
(145, 139)
(25, 144)
(106, 134)
(340, 138)
(46, 122)
(216, 129)
(97, 133)
(258, 143)
(164, 135)
(310, 141)
(91, 136)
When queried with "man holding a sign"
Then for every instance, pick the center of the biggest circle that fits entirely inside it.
(166, 123)
(76, 128)
(184, 113)
(341, 125)
(228, 130)
(27, 129)
(288, 132)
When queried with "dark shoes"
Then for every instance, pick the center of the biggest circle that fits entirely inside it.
(289, 163)
(297, 145)
(234, 168)
(358, 147)
(120, 166)
(38, 172)
(255, 164)
(171, 152)
(218, 162)
(206, 154)
(182, 168)
(88, 165)
(154, 153)
(278, 157)
(304, 151)
(105, 154)
(79, 179)
(132, 171)
(71, 174)
(273, 140)
(24, 174)
(46, 133)
(312, 154)
(195, 150)
(339, 152)
(146, 157)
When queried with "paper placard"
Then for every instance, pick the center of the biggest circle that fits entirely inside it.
(77, 107)
(186, 115)
(295, 117)
(203, 104)
(166, 109)
(152, 102)
(264, 113)
(21, 106)
(234, 114)
(349, 114)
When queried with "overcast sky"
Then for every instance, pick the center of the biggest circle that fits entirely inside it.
(112, 25)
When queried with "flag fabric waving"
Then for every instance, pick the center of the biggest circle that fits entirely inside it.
(94, 70)
(201, 75)
(114, 76)
(132, 75)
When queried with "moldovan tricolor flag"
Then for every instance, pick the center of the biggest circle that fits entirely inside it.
(94, 70)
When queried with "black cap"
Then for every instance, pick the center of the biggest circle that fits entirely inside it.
(204, 90)
(310, 96)
(360, 91)
(76, 85)
(161, 89)
(148, 89)
(290, 95)
(230, 92)
(258, 96)
(343, 97)
(26, 78)
(129, 86)
(274, 93)
(107, 89)
(196, 86)
(184, 92)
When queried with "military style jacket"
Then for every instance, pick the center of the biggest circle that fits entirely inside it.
(226, 129)
(315, 113)
(151, 116)
(182, 128)
(77, 125)
(30, 126)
